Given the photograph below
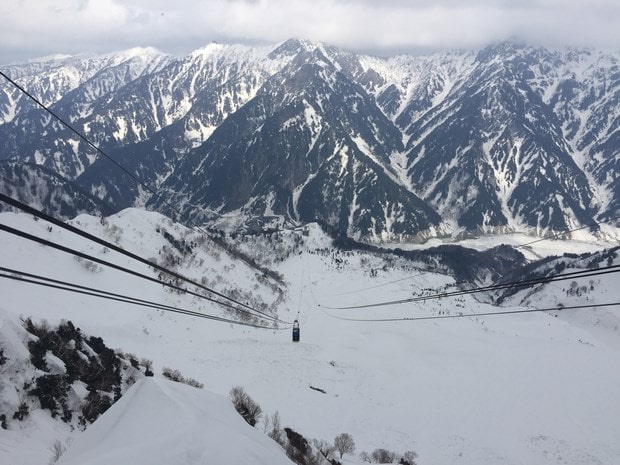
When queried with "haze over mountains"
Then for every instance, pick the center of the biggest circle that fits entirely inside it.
(506, 138)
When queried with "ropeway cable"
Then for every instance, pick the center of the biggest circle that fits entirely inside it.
(85, 256)
(28, 209)
(471, 315)
(134, 177)
(514, 284)
(29, 278)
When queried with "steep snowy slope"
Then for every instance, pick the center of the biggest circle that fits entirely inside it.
(51, 79)
(584, 90)
(491, 146)
(180, 108)
(162, 422)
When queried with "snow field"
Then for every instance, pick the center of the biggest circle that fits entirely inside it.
(513, 389)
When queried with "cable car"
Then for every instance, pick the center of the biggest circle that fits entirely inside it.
(296, 331)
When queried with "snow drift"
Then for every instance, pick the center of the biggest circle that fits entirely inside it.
(163, 422)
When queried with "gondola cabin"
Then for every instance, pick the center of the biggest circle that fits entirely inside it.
(296, 331)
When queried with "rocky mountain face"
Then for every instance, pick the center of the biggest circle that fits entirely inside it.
(510, 137)
(43, 189)
(297, 150)
(75, 88)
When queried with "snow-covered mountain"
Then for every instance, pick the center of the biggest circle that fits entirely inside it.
(310, 146)
(73, 87)
(493, 153)
(510, 137)
(43, 189)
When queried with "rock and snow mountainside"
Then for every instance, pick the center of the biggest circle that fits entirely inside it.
(510, 137)
(535, 388)
(43, 189)
(297, 150)
(73, 87)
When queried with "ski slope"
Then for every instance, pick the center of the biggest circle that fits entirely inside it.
(509, 389)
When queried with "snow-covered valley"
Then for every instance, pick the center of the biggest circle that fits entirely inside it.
(530, 388)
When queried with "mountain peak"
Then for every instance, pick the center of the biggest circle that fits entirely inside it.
(291, 47)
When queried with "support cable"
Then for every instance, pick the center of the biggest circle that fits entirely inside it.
(471, 315)
(514, 284)
(29, 278)
(85, 256)
(33, 211)
(135, 178)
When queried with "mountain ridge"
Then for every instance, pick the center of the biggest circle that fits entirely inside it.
(508, 138)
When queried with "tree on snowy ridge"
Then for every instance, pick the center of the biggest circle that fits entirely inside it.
(344, 444)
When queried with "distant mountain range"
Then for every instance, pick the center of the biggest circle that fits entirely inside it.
(508, 138)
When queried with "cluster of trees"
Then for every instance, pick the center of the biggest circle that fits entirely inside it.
(309, 452)
(184, 247)
(182, 250)
(386, 456)
(86, 359)
(175, 375)
(235, 253)
(576, 290)
(168, 258)
(89, 265)
(339, 259)
(114, 231)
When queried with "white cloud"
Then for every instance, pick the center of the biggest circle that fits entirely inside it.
(70, 26)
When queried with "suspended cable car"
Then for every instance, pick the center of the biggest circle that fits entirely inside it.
(296, 331)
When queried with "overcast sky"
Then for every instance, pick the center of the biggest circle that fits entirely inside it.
(32, 28)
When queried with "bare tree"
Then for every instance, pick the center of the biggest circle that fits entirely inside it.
(344, 444)
(245, 405)
(173, 375)
(275, 431)
(148, 365)
(325, 449)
